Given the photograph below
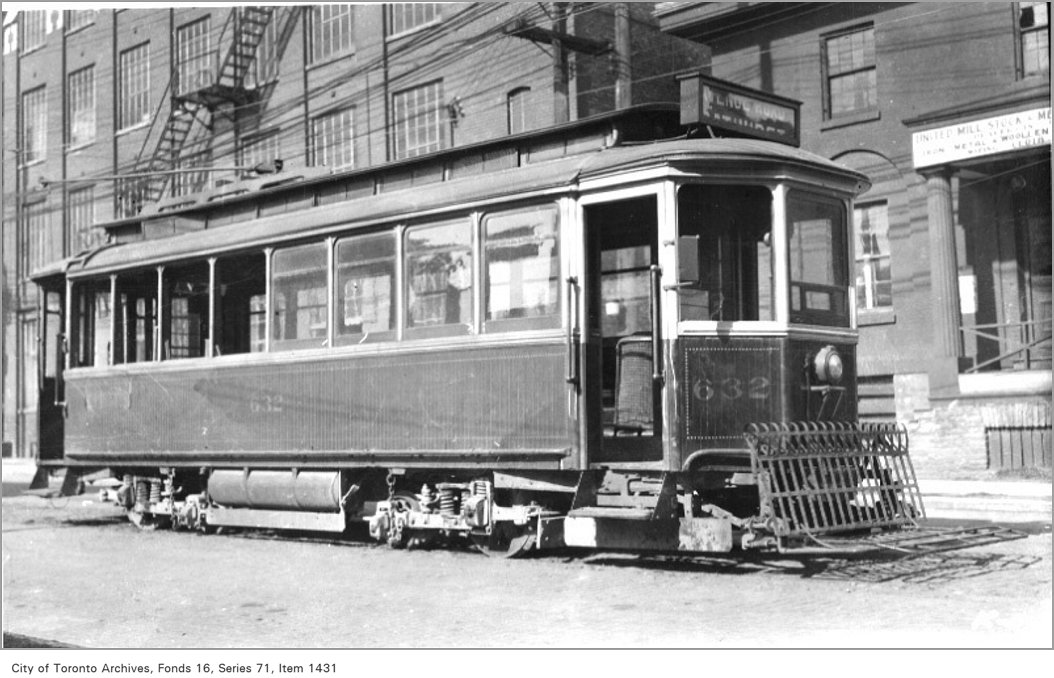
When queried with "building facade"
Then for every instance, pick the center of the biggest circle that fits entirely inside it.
(946, 107)
(110, 112)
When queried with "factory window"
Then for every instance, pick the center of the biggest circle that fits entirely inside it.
(37, 247)
(298, 284)
(34, 28)
(195, 62)
(131, 195)
(516, 107)
(34, 125)
(260, 149)
(186, 183)
(79, 18)
(264, 68)
(80, 209)
(850, 74)
(418, 122)
(404, 17)
(522, 269)
(81, 98)
(134, 68)
(874, 282)
(333, 139)
(439, 279)
(1032, 33)
(332, 32)
(366, 288)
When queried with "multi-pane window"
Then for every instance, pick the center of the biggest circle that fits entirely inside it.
(36, 242)
(850, 74)
(439, 278)
(260, 149)
(874, 282)
(522, 267)
(298, 284)
(332, 31)
(80, 210)
(81, 98)
(186, 183)
(404, 17)
(79, 18)
(34, 28)
(418, 120)
(333, 142)
(516, 107)
(134, 69)
(131, 196)
(194, 60)
(264, 68)
(1033, 36)
(366, 288)
(34, 124)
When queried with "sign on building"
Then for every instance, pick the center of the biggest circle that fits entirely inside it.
(1014, 132)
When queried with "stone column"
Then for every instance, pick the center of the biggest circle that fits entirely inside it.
(944, 278)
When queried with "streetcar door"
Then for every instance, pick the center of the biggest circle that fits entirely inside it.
(51, 359)
(623, 399)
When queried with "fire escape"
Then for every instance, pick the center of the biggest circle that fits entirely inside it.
(204, 86)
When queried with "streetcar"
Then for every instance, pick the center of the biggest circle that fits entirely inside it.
(604, 335)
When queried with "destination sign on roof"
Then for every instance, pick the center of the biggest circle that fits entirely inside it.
(741, 110)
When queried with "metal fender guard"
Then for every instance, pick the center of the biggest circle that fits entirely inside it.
(819, 478)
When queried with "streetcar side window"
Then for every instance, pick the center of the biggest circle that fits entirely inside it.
(439, 279)
(185, 311)
(819, 271)
(299, 297)
(733, 224)
(522, 286)
(241, 296)
(135, 317)
(365, 288)
(92, 324)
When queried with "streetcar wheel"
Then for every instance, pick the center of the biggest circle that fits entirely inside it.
(506, 540)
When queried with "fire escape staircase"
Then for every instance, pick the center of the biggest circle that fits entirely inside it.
(210, 90)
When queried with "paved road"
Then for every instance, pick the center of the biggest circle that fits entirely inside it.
(74, 571)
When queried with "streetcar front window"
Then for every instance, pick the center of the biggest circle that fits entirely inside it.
(819, 271)
(732, 224)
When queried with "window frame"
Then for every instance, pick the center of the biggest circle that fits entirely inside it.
(250, 149)
(402, 128)
(829, 118)
(81, 234)
(840, 257)
(38, 24)
(40, 131)
(1019, 42)
(193, 45)
(395, 303)
(76, 19)
(519, 96)
(860, 258)
(131, 73)
(72, 89)
(390, 8)
(317, 55)
(445, 329)
(318, 149)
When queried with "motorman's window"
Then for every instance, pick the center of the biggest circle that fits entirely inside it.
(135, 317)
(241, 289)
(819, 270)
(366, 288)
(522, 269)
(733, 225)
(298, 284)
(92, 325)
(185, 311)
(439, 279)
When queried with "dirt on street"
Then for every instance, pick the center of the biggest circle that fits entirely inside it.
(75, 571)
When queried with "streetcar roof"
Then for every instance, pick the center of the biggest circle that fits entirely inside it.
(563, 175)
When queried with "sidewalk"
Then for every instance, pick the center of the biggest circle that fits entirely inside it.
(1004, 502)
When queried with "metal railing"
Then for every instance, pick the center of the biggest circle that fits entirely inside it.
(1033, 347)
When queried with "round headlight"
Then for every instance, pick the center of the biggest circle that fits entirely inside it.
(828, 365)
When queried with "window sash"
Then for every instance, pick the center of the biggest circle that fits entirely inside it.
(418, 120)
(80, 206)
(517, 109)
(135, 86)
(81, 106)
(404, 17)
(260, 149)
(78, 18)
(332, 31)
(194, 60)
(849, 73)
(34, 125)
(333, 136)
(34, 30)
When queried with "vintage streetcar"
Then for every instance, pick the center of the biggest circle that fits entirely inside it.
(581, 337)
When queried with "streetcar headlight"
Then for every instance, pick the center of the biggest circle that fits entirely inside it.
(828, 365)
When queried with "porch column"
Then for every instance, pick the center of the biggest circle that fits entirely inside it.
(944, 277)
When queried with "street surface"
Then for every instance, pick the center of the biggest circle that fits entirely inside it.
(76, 572)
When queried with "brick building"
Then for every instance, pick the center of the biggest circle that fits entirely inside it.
(947, 108)
(93, 94)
